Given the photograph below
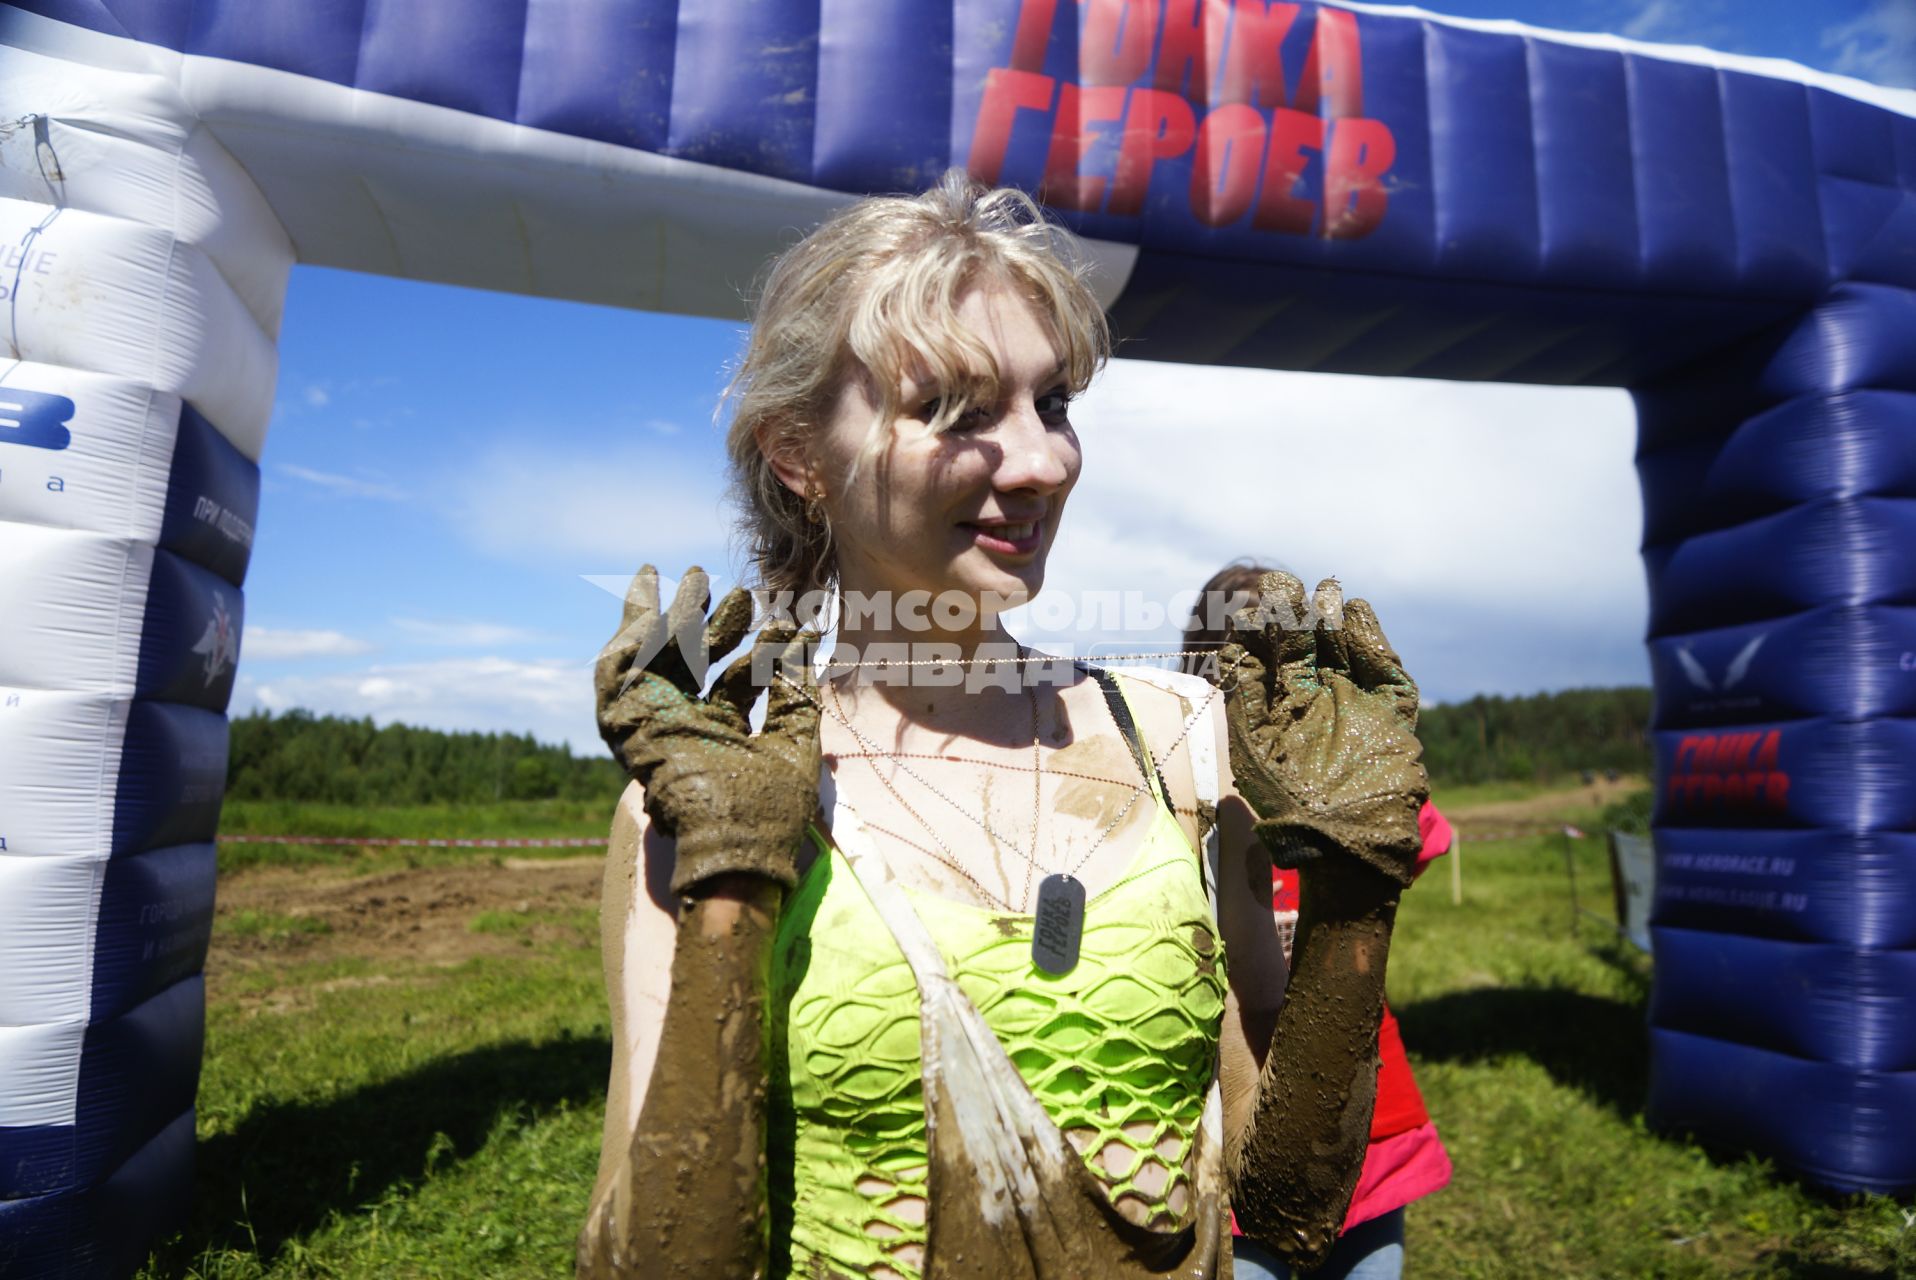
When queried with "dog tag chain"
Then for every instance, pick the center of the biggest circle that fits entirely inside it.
(1058, 926)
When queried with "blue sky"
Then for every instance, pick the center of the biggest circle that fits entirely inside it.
(452, 475)
(1873, 40)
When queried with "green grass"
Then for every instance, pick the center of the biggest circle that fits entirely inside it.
(402, 1120)
(271, 927)
(1462, 794)
(1527, 1036)
(405, 1122)
(506, 818)
(502, 818)
(523, 924)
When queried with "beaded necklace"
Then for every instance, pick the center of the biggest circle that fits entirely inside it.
(1058, 921)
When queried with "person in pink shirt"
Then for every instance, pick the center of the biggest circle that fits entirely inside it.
(1405, 1160)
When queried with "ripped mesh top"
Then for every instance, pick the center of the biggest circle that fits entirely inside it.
(1120, 1051)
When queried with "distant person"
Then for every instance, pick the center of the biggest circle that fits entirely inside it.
(1405, 1160)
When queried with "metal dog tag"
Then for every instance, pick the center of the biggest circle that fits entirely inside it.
(1059, 924)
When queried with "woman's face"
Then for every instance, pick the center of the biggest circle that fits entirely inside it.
(974, 508)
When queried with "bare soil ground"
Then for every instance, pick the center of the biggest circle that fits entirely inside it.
(1542, 811)
(444, 915)
(439, 915)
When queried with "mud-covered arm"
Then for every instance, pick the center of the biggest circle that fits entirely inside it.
(1300, 1155)
(687, 1196)
(1324, 762)
(681, 1191)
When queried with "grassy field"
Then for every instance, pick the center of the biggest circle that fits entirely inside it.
(534, 818)
(405, 1066)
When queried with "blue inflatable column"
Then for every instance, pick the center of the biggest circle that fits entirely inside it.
(141, 276)
(1780, 504)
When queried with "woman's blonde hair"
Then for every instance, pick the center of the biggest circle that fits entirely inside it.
(873, 294)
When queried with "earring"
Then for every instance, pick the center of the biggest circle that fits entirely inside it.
(814, 505)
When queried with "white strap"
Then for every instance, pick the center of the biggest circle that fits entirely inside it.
(1208, 780)
(848, 833)
(1002, 1126)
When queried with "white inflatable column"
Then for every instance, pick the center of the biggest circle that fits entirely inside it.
(141, 278)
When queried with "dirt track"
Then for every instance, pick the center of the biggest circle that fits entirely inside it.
(421, 915)
(1543, 811)
(427, 914)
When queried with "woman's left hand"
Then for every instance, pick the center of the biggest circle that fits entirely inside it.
(1322, 722)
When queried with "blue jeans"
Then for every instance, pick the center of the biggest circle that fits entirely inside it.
(1372, 1250)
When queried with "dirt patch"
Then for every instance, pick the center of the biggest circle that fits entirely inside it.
(436, 916)
(1543, 811)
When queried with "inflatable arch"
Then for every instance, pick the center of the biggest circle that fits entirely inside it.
(1348, 188)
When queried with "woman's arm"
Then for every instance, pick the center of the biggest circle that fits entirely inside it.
(1309, 1124)
(1321, 717)
(1298, 1058)
(680, 1189)
(683, 1195)
(638, 930)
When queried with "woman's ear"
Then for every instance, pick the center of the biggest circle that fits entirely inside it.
(788, 460)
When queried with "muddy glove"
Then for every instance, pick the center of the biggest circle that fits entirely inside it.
(736, 801)
(1322, 722)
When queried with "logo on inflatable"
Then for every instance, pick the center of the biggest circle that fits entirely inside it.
(34, 418)
(1203, 80)
(1736, 772)
(219, 645)
(1739, 666)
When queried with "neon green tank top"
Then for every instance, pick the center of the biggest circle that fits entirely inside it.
(1121, 1050)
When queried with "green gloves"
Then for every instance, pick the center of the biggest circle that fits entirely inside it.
(737, 801)
(1323, 724)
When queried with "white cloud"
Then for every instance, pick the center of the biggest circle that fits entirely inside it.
(1709, 23)
(607, 508)
(1656, 18)
(1494, 527)
(275, 642)
(344, 486)
(1878, 44)
(549, 698)
(317, 397)
(662, 426)
(464, 634)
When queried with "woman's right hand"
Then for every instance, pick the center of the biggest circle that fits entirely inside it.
(737, 801)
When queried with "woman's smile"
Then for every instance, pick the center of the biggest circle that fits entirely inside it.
(1006, 538)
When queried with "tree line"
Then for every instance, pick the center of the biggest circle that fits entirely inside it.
(298, 755)
(1486, 739)
(301, 756)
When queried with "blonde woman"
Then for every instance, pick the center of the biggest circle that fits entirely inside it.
(951, 969)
